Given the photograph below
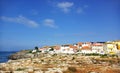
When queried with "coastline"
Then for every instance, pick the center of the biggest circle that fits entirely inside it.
(4, 55)
(62, 63)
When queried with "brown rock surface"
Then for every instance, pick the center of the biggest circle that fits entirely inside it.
(62, 63)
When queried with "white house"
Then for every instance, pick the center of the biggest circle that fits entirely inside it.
(79, 45)
(57, 49)
(44, 49)
(66, 49)
(86, 48)
(98, 48)
(33, 51)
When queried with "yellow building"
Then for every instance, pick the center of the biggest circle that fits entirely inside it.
(111, 47)
(117, 44)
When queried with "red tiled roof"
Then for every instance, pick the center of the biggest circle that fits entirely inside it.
(80, 43)
(86, 48)
(57, 47)
(74, 47)
(40, 49)
(97, 44)
(46, 47)
(88, 42)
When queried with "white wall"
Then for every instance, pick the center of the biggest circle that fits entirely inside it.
(86, 51)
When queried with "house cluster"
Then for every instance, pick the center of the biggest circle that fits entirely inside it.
(109, 47)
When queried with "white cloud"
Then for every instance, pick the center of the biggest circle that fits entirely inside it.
(65, 6)
(50, 23)
(20, 20)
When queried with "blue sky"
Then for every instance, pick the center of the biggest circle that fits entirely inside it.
(25, 24)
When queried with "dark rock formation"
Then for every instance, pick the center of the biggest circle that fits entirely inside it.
(19, 55)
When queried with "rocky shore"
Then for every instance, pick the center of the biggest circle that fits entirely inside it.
(19, 55)
(25, 54)
(62, 63)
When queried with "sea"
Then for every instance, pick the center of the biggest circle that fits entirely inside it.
(4, 55)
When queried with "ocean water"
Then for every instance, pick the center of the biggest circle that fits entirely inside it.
(4, 56)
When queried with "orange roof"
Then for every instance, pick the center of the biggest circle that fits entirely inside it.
(97, 44)
(57, 47)
(42, 49)
(88, 42)
(86, 48)
(79, 43)
(74, 47)
(46, 47)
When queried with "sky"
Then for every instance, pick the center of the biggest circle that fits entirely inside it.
(25, 24)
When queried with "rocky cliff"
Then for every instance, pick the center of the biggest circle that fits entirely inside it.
(20, 55)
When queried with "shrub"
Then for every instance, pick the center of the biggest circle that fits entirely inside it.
(114, 55)
(95, 54)
(73, 58)
(20, 69)
(104, 56)
(42, 60)
(30, 51)
(92, 54)
(72, 69)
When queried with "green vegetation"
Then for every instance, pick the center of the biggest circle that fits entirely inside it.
(54, 55)
(113, 55)
(104, 56)
(73, 58)
(92, 54)
(30, 51)
(42, 60)
(36, 48)
(20, 69)
(52, 49)
(101, 55)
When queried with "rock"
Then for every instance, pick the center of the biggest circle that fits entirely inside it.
(19, 55)
(19, 72)
(60, 64)
(38, 71)
(30, 70)
(29, 55)
(93, 72)
(5, 71)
